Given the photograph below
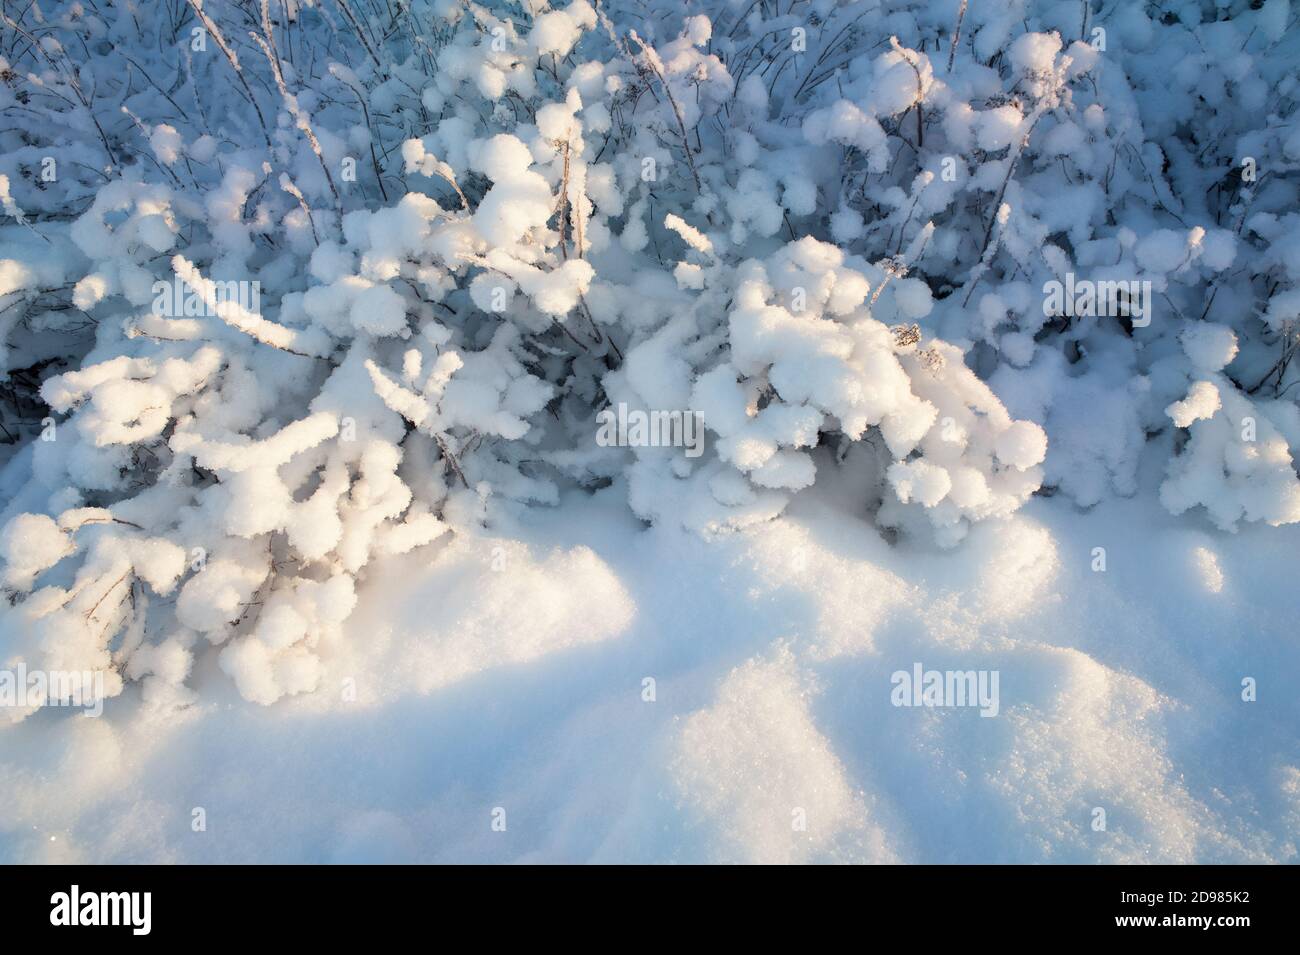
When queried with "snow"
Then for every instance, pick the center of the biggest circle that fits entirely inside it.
(956, 515)
(31, 543)
(379, 310)
(166, 143)
(691, 236)
(920, 481)
(1201, 402)
(556, 32)
(771, 654)
(998, 128)
(1209, 347)
(1034, 52)
(912, 296)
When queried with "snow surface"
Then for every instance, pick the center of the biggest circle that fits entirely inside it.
(772, 649)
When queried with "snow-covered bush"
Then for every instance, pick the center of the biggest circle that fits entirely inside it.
(285, 288)
(792, 356)
(1237, 462)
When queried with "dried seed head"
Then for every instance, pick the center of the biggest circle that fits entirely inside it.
(906, 335)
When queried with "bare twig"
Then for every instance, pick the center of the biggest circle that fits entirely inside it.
(234, 63)
(651, 60)
(300, 117)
